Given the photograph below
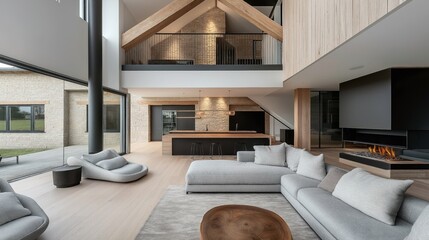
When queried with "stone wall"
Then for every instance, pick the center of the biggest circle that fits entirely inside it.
(139, 120)
(22, 87)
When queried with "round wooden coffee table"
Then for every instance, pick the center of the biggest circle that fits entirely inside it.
(241, 222)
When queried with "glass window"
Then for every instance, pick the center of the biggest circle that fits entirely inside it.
(20, 118)
(39, 118)
(2, 118)
(112, 118)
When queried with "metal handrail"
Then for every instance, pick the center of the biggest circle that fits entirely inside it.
(284, 124)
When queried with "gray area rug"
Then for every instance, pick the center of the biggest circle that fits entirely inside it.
(178, 216)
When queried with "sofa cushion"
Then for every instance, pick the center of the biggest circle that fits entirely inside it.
(246, 156)
(375, 196)
(130, 168)
(293, 156)
(330, 181)
(419, 231)
(233, 172)
(411, 208)
(114, 163)
(274, 155)
(312, 166)
(346, 222)
(20, 228)
(294, 182)
(103, 155)
(11, 208)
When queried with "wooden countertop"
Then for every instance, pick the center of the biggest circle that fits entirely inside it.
(209, 132)
(216, 135)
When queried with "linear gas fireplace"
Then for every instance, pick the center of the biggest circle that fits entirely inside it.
(387, 112)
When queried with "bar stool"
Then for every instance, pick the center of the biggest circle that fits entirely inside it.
(213, 146)
(197, 149)
(239, 146)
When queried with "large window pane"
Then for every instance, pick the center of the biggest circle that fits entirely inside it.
(112, 118)
(20, 118)
(112, 121)
(39, 118)
(2, 118)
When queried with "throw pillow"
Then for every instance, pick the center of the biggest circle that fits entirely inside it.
(311, 166)
(292, 157)
(103, 155)
(419, 231)
(271, 155)
(330, 181)
(375, 196)
(114, 163)
(11, 208)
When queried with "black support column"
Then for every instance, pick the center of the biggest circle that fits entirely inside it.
(95, 85)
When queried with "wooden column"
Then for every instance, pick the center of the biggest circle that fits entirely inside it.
(302, 116)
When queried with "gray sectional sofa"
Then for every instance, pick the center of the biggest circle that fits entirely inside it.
(327, 215)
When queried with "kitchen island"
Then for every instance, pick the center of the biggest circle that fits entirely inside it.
(180, 142)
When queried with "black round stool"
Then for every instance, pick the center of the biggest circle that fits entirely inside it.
(67, 176)
(213, 146)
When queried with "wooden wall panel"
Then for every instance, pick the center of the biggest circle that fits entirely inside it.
(312, 28)
(302, 116)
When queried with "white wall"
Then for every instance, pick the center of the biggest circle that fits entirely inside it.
(279, 105)
(202, 79)
(111, 44)
(116, 20)
(47, 34)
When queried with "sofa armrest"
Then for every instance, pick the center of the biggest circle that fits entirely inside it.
(246, 156)
(5, 186)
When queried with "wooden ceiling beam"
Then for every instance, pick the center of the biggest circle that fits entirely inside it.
(254, 16)
(157, 21)
(190, 16)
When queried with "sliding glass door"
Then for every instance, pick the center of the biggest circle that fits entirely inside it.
(325, 130)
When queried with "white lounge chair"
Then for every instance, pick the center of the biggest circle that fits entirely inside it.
(108, 165)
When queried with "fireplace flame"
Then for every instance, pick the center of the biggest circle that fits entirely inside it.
(387, 152)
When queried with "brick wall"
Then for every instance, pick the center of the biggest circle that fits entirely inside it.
(23, 87)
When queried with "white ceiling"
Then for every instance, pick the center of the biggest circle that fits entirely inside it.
(205, 92)
(400, 39)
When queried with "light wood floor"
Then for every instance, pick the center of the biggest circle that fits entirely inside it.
(104, 210)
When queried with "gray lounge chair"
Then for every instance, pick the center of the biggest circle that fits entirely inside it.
(28, 227)
(127, 172)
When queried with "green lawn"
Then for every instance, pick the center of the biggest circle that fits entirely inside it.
(19, 152)
(39, 125)
(20, 125)
(23, 125)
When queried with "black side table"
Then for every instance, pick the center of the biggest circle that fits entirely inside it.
(67, 176)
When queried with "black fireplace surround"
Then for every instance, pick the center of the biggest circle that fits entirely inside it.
(388, 108)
